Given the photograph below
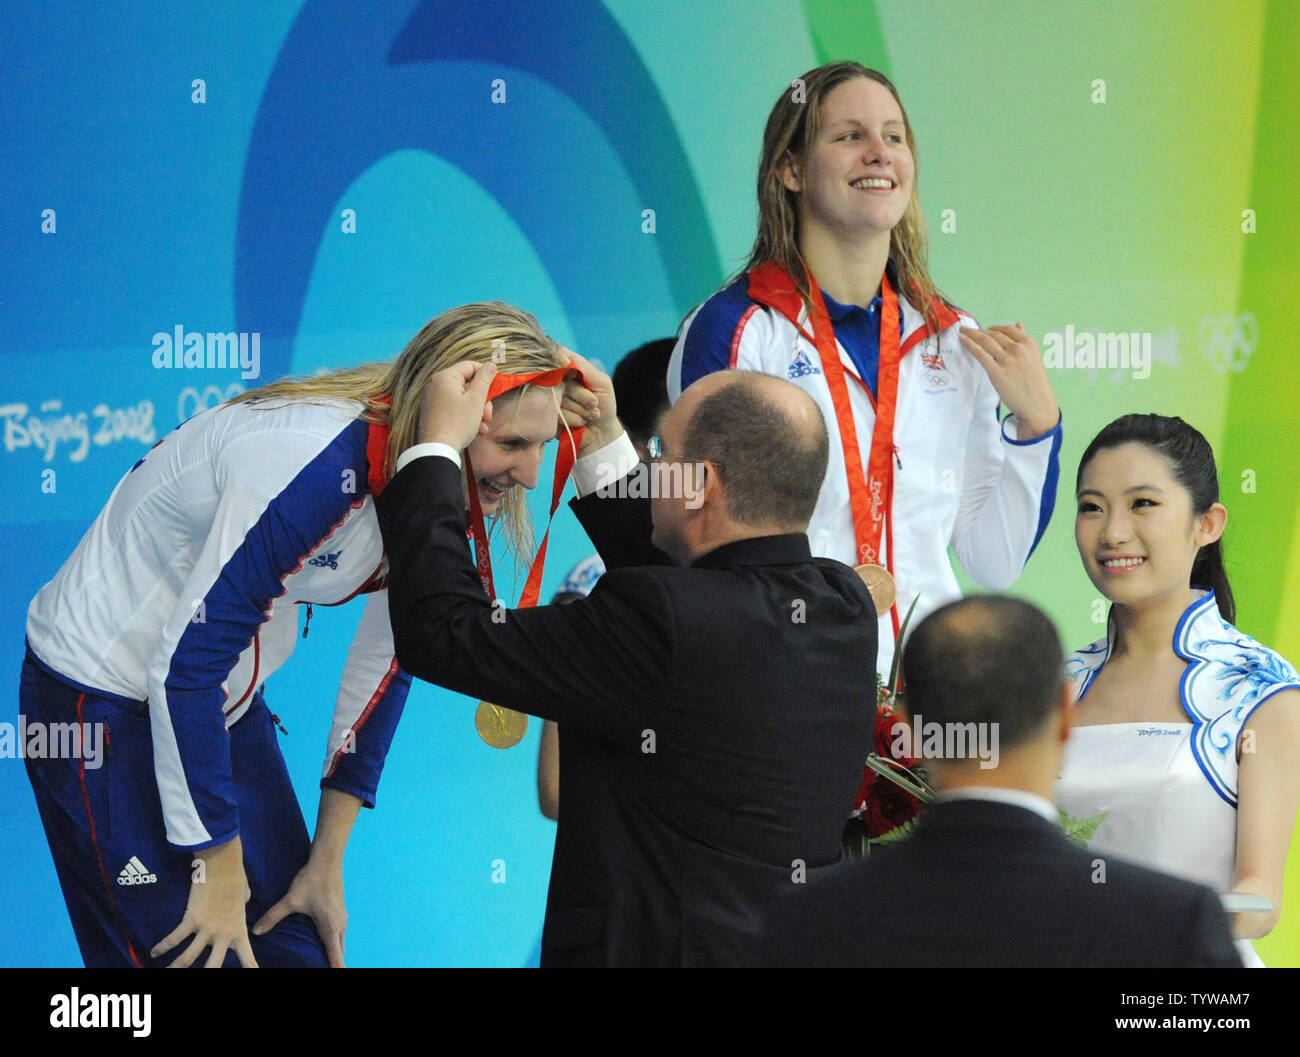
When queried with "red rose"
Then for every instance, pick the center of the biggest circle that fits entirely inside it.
(886, 721)
(887, 807)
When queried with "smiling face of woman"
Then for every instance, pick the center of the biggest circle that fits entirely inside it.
(856, 176)
(1137, 533)
(511, 452)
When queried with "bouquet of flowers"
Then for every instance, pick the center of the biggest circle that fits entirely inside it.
(894, 788)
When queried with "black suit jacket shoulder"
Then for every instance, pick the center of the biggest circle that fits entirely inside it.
(981, 884)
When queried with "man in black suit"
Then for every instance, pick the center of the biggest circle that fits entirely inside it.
(987, 878)
(714, 713)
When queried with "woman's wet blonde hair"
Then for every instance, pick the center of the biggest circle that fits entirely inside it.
(791, 129)
(483, 332)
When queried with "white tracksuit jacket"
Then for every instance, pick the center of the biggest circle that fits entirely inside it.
(184, 590)
(965, 481)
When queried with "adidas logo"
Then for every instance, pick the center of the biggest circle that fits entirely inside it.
(326, 561)
(801, 366)
(136, 873)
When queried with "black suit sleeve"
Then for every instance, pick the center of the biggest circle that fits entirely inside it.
(601, 662)
(620, 528)
(1205, 941)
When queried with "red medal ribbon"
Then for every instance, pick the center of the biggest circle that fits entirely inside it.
(871, 491)
(377, 457)
(564, 461)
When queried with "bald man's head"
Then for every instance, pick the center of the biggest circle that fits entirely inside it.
(986, 659)
(768, 439)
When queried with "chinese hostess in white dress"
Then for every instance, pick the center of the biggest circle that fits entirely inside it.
(1169, 790)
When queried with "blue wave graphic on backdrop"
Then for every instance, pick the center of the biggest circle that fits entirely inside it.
(345, 92)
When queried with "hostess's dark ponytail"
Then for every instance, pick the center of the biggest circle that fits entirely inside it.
(1193, 466)
(1208, 571)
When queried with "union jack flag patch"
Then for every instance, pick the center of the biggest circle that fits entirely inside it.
(933, 361)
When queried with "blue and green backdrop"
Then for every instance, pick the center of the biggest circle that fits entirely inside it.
(331, 175)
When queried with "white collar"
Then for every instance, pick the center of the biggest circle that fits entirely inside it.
(1228, 675)
(1082, 666)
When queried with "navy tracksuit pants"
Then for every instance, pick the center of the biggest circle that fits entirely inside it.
(125, 886)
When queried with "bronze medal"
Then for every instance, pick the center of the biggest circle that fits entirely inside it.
(502, 728)
(880, 584)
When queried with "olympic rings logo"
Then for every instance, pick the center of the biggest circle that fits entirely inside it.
(1228, 340)
(192, 401)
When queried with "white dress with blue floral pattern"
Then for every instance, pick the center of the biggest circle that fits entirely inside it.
(1169, 790)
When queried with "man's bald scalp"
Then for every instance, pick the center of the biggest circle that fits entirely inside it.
(986, 659)
(770, 441)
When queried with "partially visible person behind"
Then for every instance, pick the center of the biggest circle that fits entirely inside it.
(1197, 779)
(987, 878)
(577, 584)
(641, 389)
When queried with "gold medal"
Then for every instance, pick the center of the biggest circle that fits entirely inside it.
(502, 728)
(880, 584)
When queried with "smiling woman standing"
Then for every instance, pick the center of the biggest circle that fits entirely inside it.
(1170, 741)
(837, 298)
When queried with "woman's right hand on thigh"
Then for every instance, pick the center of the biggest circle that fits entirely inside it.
(215, 914)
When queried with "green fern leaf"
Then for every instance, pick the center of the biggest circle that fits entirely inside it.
(1081, 830)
